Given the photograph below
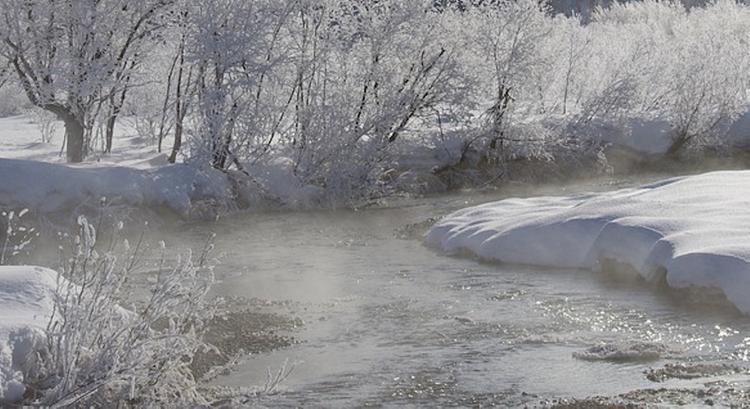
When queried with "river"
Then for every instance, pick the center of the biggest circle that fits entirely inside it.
(381, 320)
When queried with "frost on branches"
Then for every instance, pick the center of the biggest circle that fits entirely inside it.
(98, 345)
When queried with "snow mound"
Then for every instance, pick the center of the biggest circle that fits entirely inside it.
(49, 188)
(26, 303)
(688, 232)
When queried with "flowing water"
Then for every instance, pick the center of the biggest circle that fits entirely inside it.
(382, 320)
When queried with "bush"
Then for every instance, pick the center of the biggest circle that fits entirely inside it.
(94, 350)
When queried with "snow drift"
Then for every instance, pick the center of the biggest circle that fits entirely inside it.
(50, 188)
(688, 231)
(26, 304)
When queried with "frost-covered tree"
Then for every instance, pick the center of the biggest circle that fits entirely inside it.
(330, 85)
(73, 56)
(504, 43)
(228, 43)
(658, 60)
(334, 88)
(709, 73)
(366, 71)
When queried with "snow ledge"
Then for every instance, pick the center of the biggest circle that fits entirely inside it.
(54, 188)
(690, 231)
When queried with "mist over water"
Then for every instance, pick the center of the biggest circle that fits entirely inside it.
(382, 319)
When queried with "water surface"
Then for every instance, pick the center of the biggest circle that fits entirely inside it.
(386, 321)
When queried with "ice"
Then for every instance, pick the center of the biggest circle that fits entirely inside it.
(689, 231)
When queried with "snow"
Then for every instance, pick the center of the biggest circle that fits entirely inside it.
(690, 231)
(22, 139)
(51, 188)
(644, 135)
(35, 176)
(276, 179)
(26, 303)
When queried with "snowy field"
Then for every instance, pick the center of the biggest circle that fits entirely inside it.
(134, 175)
(688, 231)
(22, 137)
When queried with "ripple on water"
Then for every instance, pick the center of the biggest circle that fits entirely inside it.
(623, 352)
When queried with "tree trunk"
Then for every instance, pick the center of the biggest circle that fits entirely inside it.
(498, 116)
(220, 155)
(180, 104)
(163, 120)
(677, 146)
(74, 134)
(116, 106)
(177, 140)
(110, 132)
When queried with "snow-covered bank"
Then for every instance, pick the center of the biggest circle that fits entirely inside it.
(50, 188)
(26, 303)
(689, 231)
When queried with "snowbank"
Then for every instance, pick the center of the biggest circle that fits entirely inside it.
(26, 302)
(688, 231)
(49, 188)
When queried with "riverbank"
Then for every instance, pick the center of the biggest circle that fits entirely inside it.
(135, 182)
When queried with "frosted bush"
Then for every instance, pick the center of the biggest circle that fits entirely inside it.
(94, 350)
(46, 123)
(12, 100)
(657, 60)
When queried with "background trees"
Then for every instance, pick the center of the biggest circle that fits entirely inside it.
(338, 90)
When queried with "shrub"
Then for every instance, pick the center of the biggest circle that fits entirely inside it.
(94, 350)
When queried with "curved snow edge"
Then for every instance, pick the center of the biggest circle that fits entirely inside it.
(691, 231)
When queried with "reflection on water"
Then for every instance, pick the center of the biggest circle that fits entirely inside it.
(388, 321)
